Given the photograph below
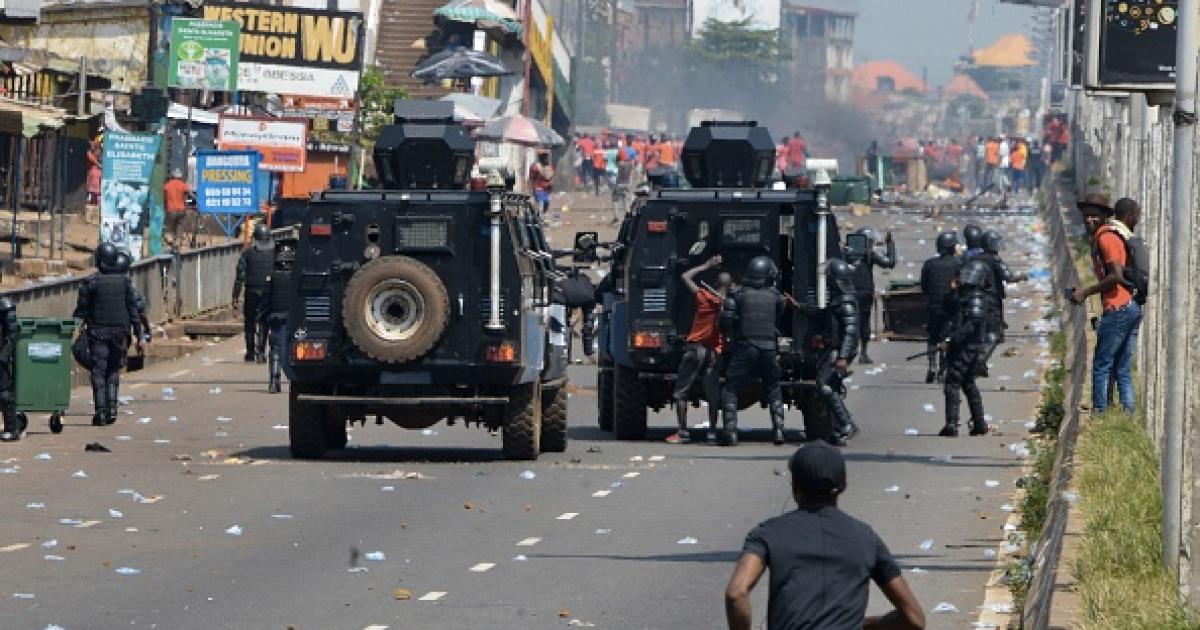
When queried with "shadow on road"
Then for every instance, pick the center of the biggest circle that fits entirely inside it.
(387, 454)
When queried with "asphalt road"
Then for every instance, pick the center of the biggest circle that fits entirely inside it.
(219, 528)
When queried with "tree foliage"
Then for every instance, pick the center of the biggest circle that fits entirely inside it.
(378, 103)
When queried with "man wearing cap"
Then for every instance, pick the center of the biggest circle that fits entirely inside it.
(1116, 335)
(175, 196)
(820, 559)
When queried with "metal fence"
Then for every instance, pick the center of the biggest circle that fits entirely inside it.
(175, 287)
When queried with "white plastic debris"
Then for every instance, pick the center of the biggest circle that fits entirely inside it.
(235, 530)
(124, 400)
(50, 544)
(115, 513)
(944, 459)
(221, 434)
(122, 438)
(528, 475)
(35, 506)
(144, 420)
(375, 556)
(282, 517)
(173, 419)
(911, 431)
(69, 521)
(429, 432)
(53, 558)
(14, 470)
(1070, 496)
(23, 595)
(926, 545)
(1030, 424)
(224, 419)
(929, 408)
(79, 474)
(388, 489)
(603, 532)
(214, 391)
(168, 393)
(127, 571)
(1007, 507)
(917, 571)
(520, 558)
(990, 554)
(892, 489)
(42, 457)
(687, 541)
(945, 607)
(992, 483)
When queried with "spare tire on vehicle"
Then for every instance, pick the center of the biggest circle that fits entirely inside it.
(395, 309)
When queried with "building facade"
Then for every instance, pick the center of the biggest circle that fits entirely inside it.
(821, 44)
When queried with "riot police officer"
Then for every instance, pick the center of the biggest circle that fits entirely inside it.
(14, 427)
(936, 276)
(864, 263)
(965, 341)
(252, 270)
(835, 363)
(974, 238)
(1001, 274)
(110, 307)
(748, 319)
(277, 300)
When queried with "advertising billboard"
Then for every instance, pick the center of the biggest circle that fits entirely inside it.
(204, 55)
(763, 14)
(126, 164)
(282, 142)
(326, 113)
(292, 50)
(226, 182)
(1131, 44)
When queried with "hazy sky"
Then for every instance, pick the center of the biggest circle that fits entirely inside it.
(926, 33)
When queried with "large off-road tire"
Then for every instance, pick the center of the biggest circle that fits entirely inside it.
(604, 399)
(629, 396)
(522, 433)
(395, 309)
(306, 427)
(554, 420)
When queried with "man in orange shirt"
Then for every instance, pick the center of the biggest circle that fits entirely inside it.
(992, 159)
(797, 153)
(666, 153)
(703, 349)
(586, 147)
(1117, 334)
(175, 198)
(1020, 161)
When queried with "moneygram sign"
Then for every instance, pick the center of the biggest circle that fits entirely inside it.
(282, 142)
(290, 50)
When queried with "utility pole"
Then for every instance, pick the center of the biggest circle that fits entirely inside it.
(1179, 282)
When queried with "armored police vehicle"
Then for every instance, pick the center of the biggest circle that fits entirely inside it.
(729, 211)
(424, 302)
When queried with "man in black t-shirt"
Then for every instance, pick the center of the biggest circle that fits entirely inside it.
(820, 559)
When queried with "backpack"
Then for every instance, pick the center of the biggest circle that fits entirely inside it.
(1137, 267)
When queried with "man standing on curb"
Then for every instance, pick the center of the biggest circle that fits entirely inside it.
(1117, 334)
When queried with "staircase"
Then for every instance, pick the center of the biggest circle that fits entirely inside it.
(402, 22)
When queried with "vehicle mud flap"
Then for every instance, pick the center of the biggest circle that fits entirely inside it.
(604, 399)
(336, 435)
(818, 418)
(554, 419)
(522, 432)
(629, 402)
(306, 427)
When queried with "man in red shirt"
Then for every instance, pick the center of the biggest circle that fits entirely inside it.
(175, 194)
(1116, 336)
(586, 147)
(703, 349)
(797, 153)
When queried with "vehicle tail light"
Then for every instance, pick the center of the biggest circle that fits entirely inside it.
(309, 351)
(656, 227)
(818, 342)
(320, 229)
(503, 353)
(643, 339)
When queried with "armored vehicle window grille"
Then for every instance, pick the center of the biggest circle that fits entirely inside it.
(485, 304)
(742, 231)
(318, 308)
(654, 301)
(422, 234)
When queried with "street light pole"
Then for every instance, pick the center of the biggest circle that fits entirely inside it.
(1179, 282)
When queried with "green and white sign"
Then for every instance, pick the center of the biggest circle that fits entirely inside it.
(204, 55)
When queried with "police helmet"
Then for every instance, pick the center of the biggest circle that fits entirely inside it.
(106, 257)
(123, 262)
(841, 275)
(262, 233)
(992, 242)
(760, 272)
(973, 235)
(973, 274)
(946, 242)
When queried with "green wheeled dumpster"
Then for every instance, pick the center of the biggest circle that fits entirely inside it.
(43, 368)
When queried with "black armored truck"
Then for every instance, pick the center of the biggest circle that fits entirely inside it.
(424, 301)
(730, 210)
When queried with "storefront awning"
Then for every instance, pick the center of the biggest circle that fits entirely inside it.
(483, 13)
(27, 120)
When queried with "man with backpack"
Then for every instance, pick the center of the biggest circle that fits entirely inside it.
(1121, 264)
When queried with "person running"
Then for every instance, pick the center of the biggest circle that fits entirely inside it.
(703, 349)
(820, 558)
